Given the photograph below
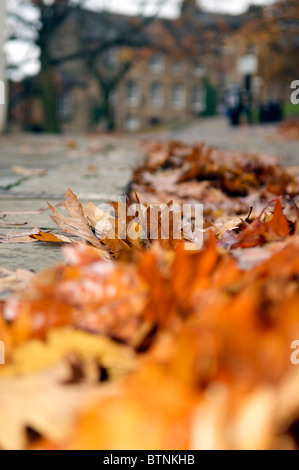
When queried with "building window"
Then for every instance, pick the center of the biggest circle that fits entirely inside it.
(157, 95)
(198, 99)
(178, 97)
(157, 63)
(65, 108)
(133, 93)
(199, 70)
(111, 57)
(132, 123)
(177, 67)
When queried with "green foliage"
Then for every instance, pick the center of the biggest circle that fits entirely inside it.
(291, 110)
(212, 98)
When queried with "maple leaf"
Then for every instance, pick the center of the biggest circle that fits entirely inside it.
(76, 224)
(259, 232)
(96, 217)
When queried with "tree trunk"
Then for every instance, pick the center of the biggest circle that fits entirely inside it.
(47, 91)
(49, 101)
(108, 111)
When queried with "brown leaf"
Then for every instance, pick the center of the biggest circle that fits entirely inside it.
(19, 237)
(258, 233)
(12, 281)
(49, 237)
(22, 171)
(76, 224)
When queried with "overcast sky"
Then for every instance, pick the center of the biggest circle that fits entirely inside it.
(172, 7)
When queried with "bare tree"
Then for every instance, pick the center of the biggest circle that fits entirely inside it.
(109, 65)
(50, 15)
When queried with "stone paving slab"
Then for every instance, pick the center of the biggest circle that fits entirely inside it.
(33, 256)
(95, 168)
(7, 182)
(42, 220)
(218, 133)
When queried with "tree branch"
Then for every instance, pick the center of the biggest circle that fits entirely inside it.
(129, 41)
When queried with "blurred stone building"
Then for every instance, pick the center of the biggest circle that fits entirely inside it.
(180, 69)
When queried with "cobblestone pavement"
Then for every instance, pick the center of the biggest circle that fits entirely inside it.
(97, 169)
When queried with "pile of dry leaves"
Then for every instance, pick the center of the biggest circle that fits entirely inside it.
(289, 130)
(163, 347)
(227, 183)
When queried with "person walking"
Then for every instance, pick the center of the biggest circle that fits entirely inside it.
(234, 104)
